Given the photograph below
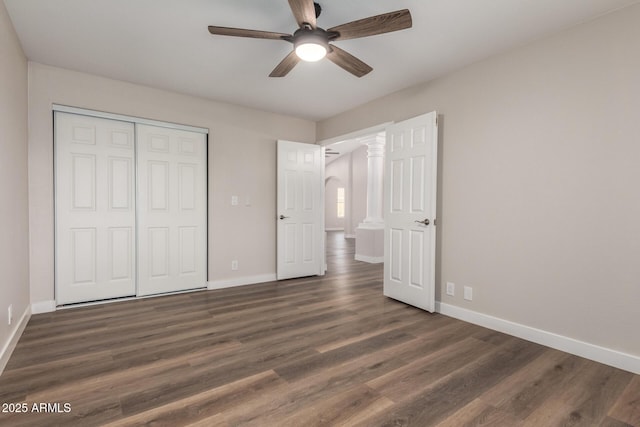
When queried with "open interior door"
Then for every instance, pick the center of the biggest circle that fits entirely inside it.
(410, 209)
(300, 210)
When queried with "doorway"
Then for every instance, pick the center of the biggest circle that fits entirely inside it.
(346, 167)
(401, 225)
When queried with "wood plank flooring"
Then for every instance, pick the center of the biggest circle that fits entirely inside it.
(304, 352)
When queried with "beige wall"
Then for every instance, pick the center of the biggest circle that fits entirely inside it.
(242, 161)
(540, 170)
(14, 210)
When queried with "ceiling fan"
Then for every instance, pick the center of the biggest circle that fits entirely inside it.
(311, 43)
(330, 152)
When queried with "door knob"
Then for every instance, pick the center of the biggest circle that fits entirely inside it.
(283, 217)
(425, 221)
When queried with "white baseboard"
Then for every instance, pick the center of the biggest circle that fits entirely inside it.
(627, 362)
(241, 281)
(13, 339)
(369, 259)
(43, 307)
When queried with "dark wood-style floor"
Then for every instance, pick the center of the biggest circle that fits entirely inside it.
(304, 352)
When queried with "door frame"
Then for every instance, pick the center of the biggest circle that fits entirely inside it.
(125, 118)
(382, 127)
(134, 120)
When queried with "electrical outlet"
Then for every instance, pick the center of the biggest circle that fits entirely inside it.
(10, 314)
(468, 293)
(234, 200)
(451, 289)
(234, 264)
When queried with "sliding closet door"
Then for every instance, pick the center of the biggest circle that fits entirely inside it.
(95, 208)
(172, 221)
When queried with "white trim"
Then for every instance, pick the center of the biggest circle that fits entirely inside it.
(369, 259)
(356, 134)
(334, 229)
(8, 348)
(43, 307)
(241, 281)
(123, 118)
(625, 361)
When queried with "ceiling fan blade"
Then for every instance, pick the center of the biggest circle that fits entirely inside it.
(379, 24)
(286, 65)
(304, 11)
(255, 34)
(347, 61)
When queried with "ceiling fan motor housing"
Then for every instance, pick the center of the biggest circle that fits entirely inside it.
(309, 35)
(315, 39)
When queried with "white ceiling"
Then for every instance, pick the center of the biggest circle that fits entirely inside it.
(165, 44)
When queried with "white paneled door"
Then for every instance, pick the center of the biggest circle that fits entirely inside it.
(131, 209)
(300, 210)
(95, 208)
(172, 211)
(410, 209)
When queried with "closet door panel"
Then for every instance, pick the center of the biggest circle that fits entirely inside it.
(95, 208)
(171, 210)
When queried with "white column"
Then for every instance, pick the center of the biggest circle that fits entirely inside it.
(370, 232)
(375, 180)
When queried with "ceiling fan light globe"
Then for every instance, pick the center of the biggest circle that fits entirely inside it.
(310, 51)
